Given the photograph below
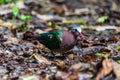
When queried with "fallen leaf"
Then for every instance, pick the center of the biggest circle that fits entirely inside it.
(7, 24)
(41, 59)
(116, 69)
(107, 67)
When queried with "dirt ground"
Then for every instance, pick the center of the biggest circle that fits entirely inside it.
(95, 57)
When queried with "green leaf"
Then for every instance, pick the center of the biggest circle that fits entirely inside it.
(22, 17)
(58, 27)
(102, 19)
(49, 24)
(99, 54)
(106, 56)
(15, 10)
(118, 61)
(91, 75)
(118, 48)
(7, 1)
(4, 1)
(22, 27)
(102, 55)
(29, 17)
(25, 17)
(83, 26)
(1, 1)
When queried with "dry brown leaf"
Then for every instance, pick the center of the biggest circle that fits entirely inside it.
(60, 63)
(61, 75)
(42, 59)
(7, 24)
(116, 69)
(72, 76)
(106, 69)
(102, 28)
(76, 67)
(74, 70)
(71, 56)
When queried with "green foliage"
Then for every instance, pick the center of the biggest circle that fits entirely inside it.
(118, 48)
(5, 1)
(91, 75)
(59, 27)
(49, 24)
(102, 19)
(22, 27)
(118, 61)
(1, 1)
(102, 55)
(99, 54)
(83, 26)
(25, 17)
(15, 10)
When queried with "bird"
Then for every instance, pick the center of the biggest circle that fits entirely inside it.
(60, 40)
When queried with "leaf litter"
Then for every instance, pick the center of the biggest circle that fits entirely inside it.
(95, 57)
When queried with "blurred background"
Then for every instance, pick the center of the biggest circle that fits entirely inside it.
(86, 12)
(95, 57)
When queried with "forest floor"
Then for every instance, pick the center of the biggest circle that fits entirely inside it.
(97, 56)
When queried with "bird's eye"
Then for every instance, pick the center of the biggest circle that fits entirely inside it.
(76, 30)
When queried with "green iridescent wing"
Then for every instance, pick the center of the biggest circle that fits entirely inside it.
(52, 39)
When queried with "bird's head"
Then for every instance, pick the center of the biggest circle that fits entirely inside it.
(76, 30)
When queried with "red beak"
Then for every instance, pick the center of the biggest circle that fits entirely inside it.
(81, 35)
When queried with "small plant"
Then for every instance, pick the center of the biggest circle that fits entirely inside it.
(15, 11)
(99, 54)
(91, 75)
(102, 19)
(102, 55)
(24, 17)
(118, 61)
(49, 24)
(22, 27)
(118, 48)
(5, 1)
(59, 27)
(52, 25)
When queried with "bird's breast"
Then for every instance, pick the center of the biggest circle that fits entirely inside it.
(68, 39)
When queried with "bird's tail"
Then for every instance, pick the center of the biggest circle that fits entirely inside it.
(37, 37)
